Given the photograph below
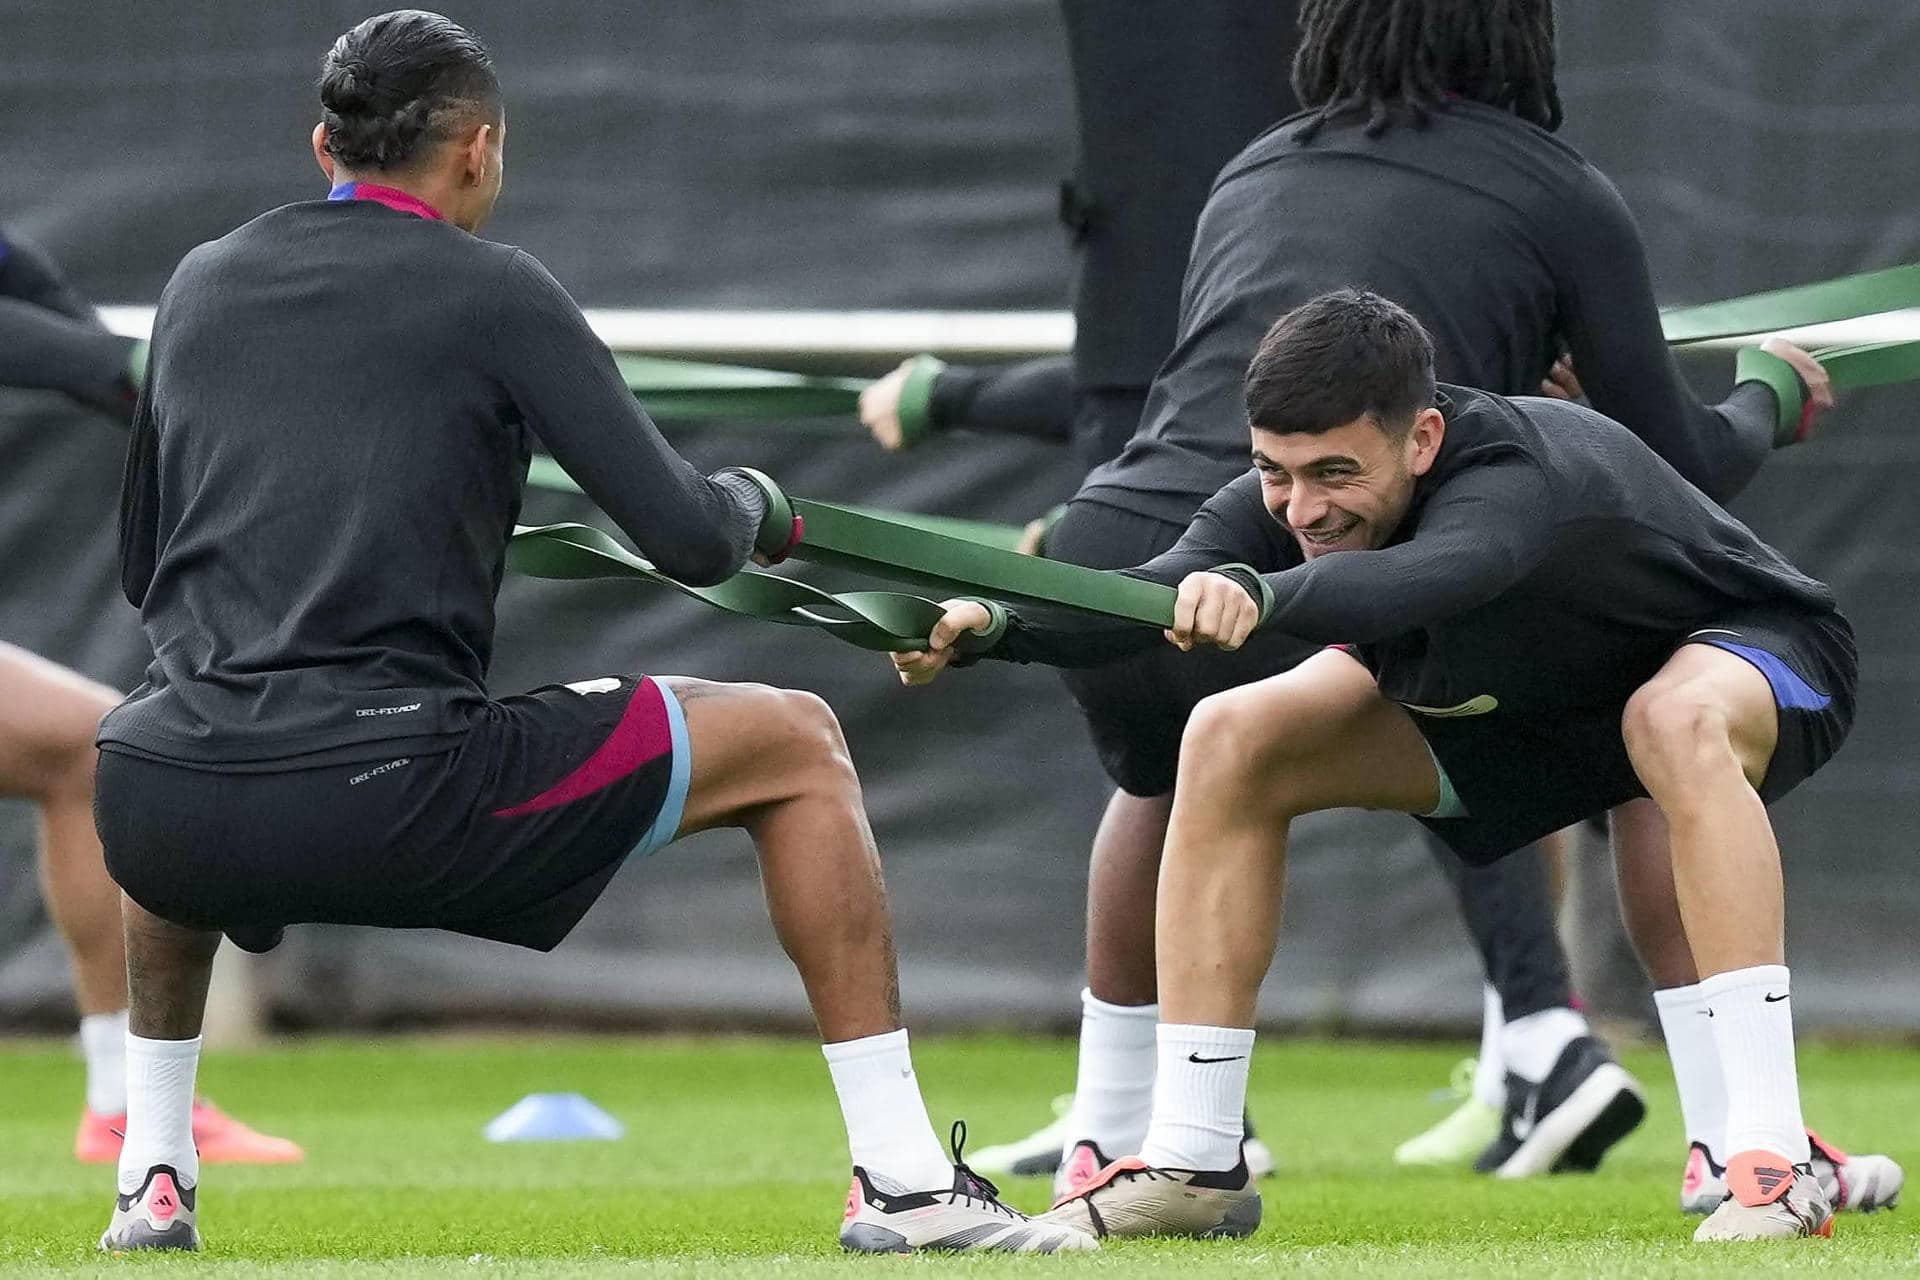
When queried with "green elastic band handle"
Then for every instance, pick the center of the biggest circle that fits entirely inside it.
(915, 409)
(780, 529)
(1263, 593)
(1755, 365)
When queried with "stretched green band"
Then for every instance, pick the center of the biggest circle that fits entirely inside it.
(885, 621)
(544, 473)
(692, 391)
(915, 410)
(851, 539)
(1855, 368)
(1846, 298)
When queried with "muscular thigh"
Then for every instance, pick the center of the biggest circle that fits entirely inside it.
(1324, 731)
(752, 745)
(46, 713)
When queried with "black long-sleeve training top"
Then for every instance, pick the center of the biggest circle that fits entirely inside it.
(326, 465)
(1549, 558)
(1165, 92)
(1502, 239)
(51, 339)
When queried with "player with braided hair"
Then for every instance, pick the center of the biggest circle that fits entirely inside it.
(1386, 56)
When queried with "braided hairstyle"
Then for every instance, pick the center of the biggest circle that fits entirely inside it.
(399, 81)
(1380, 56)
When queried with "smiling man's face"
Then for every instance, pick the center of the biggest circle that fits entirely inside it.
(1346, 489)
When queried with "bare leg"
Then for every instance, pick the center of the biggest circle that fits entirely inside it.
(1701, 734)
(168, 968)
(1253, 759)
(773, 762)
(1643, 867)
(1122, 878)
(48, 716)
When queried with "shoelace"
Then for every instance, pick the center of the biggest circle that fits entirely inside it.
(972, 1186)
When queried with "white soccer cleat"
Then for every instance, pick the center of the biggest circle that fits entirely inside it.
(158, 1216)
(1770, 1200)
(1038, 1155)
(965, 1217)
(1853, 1184)
(1131, 1198)
(1704, 1183)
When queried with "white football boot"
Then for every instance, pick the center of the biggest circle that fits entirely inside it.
(1769, 1199)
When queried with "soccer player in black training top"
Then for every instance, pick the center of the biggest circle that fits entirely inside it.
(1424, 168)
(51, 339)
(1533, 618)
(1165, 92)
(326, 465)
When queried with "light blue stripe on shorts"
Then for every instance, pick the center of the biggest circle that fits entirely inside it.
(1450, 805)
(667, 821)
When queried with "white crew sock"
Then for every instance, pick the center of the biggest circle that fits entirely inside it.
(1199, 1097)
(1530, 1046)
(1752, 1021)
(888, 1133)
(159, 1110)
(1113, 1095)
(103, 1042)
(1489, 1073)
(1688, 1032)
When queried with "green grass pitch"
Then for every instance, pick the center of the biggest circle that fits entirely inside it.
(733, 1165)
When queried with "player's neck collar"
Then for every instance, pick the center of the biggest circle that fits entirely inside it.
(392, 197)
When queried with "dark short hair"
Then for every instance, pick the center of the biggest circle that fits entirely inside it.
(1341, 356)
(1409, 57)
(400, 81)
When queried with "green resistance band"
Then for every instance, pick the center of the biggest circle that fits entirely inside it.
(690, 391)
(544, 473)
(884, 621)
(1845, 298)
(1872, 364)
(906, 550)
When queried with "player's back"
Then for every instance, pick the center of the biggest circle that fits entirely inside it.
(1458, 220)
(330, 473)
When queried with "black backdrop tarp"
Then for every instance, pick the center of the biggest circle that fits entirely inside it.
(828, 153)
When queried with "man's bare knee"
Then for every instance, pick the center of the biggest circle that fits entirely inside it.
(1230, 736)
(804, 731)
(1674, 730)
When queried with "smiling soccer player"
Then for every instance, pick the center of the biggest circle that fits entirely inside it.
(1536, 619)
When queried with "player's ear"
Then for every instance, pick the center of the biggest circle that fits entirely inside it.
(321, 153)
(482, 155)
(1429, 429)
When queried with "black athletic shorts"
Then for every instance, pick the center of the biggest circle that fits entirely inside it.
(511, 835)
(1519, 778)
(1137, 709)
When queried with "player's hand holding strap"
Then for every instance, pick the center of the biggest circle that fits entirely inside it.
(780, 529)
(1219, 607)
(967, 628)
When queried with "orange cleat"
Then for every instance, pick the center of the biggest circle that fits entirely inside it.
(220, 1138)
